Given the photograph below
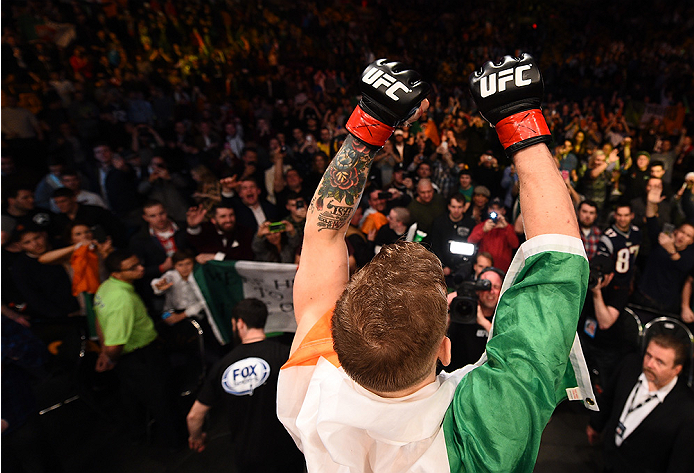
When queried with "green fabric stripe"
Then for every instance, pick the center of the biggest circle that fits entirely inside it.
(500, 409)
(222, 288)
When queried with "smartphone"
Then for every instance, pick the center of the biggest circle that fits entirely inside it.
(668, 228)
(384, 195)
(277, 227)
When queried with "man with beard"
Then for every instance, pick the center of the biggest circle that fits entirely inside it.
(245, 381)
(220, 238)
(590, 233)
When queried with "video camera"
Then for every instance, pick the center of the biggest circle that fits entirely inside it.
(463, 308)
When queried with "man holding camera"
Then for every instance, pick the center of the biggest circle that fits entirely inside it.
(296, 205)
(602, 338)
(455, 225)
(496, 236)
(469, 332)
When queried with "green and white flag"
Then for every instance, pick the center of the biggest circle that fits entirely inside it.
(225, 283)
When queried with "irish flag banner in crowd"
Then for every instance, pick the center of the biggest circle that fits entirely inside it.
(225, 283)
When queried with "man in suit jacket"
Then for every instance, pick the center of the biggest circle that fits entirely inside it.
(251, 210)
(116, 182)
(154, 245)
(646, 414)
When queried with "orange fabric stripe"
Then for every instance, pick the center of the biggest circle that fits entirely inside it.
(317, 343)
(85, 266)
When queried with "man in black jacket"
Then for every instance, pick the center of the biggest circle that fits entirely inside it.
(646, 414)
(72, 211)
(155, 244)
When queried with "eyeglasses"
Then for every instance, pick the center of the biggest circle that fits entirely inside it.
(133, 267)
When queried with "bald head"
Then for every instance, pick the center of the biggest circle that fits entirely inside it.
(425, 191)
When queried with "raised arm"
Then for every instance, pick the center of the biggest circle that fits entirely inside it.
(545, 202)
(391, 95)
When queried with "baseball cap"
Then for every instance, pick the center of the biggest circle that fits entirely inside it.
(399, 132)
(482, 190)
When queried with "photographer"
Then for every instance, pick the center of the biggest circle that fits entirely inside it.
(496, 236)
(469, 335)
(455, 225)
(276, 242)
(602, 338)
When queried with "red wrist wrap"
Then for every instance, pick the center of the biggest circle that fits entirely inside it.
(521, 126)
(368, 129)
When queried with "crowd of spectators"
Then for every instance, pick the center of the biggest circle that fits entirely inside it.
(202, 126)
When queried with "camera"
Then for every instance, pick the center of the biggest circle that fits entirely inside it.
(594, 277)
(493, 216)
(600, 266)
(299, 204)
(463, 309)
(384, 195)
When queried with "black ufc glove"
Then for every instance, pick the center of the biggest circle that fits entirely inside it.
(390, 95)
(508, 95)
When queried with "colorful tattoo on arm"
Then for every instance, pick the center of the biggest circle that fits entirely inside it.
(342, 184)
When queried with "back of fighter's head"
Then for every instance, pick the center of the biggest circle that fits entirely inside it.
(390, 321)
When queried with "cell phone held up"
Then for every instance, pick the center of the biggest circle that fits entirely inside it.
(277, 227)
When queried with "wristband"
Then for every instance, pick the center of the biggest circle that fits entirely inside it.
(368, 129)
(522, 129)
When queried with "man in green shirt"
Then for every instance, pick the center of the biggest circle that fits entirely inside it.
(128, 344)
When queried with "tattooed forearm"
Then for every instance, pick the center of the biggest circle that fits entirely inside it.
(342, 184)
(334, 217)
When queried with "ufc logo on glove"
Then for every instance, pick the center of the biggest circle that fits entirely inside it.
(488, 84)
(378, 78)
